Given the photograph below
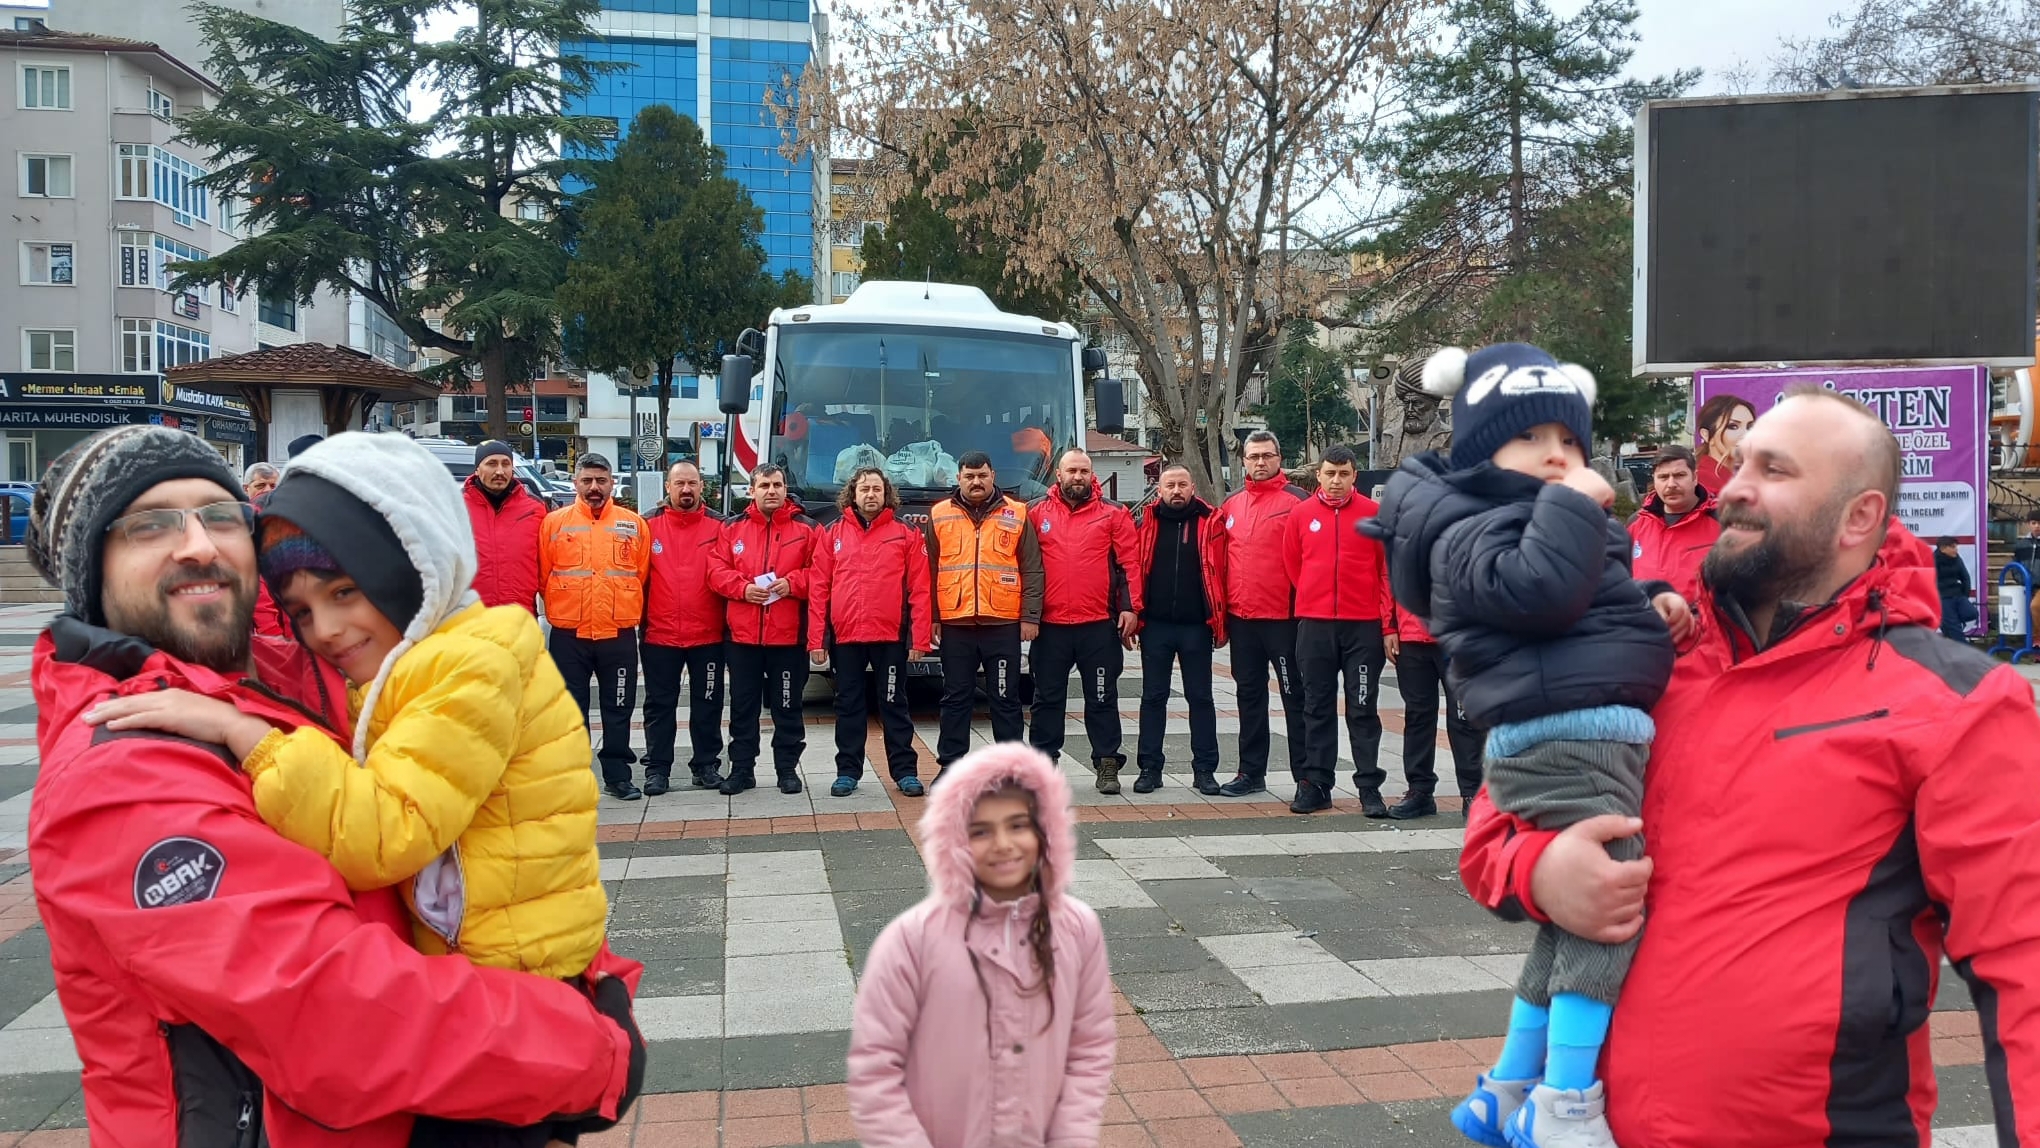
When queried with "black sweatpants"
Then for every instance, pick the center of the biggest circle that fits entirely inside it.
(613, 663)
(868, 673)
(703, 667)
(775, 676)
(1162, 646)
(1093, 650)
(1258, 646)
(1324, 651)
(995, 649)
(1420, 674)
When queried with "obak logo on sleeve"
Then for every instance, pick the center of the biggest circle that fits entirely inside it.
(177, 871)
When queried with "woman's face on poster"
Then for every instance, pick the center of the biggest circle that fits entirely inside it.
(1723, 437)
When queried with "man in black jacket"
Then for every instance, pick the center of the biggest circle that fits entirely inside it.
(1182, 547)
(1951, 580)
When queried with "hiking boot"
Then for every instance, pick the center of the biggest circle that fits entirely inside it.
(911, 787)
(1413, 806)
(1108, 768)
(1562, 1118)
(1310, 798)
(707, 777)
(1483, 1117)
(843, 787)
(1204, 783)
(622, 791)
(789, 779)
(1148, 781)
(741, 778)
(1372, 805)
(655, 784)
(1242, 786)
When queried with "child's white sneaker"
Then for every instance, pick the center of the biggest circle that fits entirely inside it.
(1485, 1112)
(1563, 1118)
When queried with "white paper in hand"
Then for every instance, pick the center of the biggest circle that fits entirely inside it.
(764, 580)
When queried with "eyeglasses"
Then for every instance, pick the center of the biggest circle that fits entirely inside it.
(162, 527)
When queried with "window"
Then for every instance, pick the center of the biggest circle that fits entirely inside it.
(176, 346)
(531, 209)
(230, 214)
(175, 186)
(136, 259)
(46, 89)
(229, 301)
(138, 346)
(46, 264)
(131, 171)
(278, 313)
(690, 386)
(847, 232)
(49, 350)
(553, 410)
(160, 105)
(843, 282)
(169, 253)
(466, 407)
(46, 176)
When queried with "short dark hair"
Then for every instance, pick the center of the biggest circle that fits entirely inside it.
(1675, 452)
(973, 459)
(1167, 467)
(2033, 515)
(767, 470)
(1947, 540)
(592, 461)
(1340, 456)
(847, 496)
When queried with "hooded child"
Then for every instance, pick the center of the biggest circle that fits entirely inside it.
(1506, 548)
(984, 1016)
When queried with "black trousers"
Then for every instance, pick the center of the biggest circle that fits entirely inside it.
(995, 649)
(1420, 674)
(1093, 650)
(613, 663)
(775, 676)
(1258, 646)
(1163, 645)
(703, 667)
(868, 673)
(1324, 652)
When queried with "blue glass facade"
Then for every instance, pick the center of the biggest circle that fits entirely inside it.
(740, 73)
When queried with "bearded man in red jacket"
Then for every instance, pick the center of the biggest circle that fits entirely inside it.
(506, 520)
(683, 634)
(222, 984)
(1837, 798)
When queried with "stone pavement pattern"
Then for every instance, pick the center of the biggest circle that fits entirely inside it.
(1281, 981)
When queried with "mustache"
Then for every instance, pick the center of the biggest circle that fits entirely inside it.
(1743, 517)
(171, 583)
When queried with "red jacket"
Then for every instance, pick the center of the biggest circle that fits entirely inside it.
(751, 546)
(506, 545)
(212, 971)
(1257, 582)
(1340, 575)
(1410, 628)
(680, 607)
(1213, 553)
(268, 619)
(870, 584)
(1826, 818)
(1672, 552)
(1087, 555)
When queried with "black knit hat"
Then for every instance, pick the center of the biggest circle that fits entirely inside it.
(95, 482)
(301, 444)
(492, 448)
(1499, 392)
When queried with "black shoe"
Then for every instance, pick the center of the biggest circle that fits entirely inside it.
(741, 778)
(1310, 798)
(1413, 806)
(1242, 786)
(623, 791)
(655, 784)
(936, 780)
(1148, 781)
(1466, 803)
(789, 781)
(1205, 784)
(1371, 803)
(706, 778)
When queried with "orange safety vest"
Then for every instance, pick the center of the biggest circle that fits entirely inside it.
(977, 566)
(594, 569)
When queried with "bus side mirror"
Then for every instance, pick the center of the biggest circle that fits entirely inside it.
(752, 343)
(1109, 395)
(1094, 360)
(733, 393)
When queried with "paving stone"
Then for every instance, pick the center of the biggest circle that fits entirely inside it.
(679, 1017)
(767, 938)
(1169, 868)
(1224, 1032)
(23, 982)
(1328, 980)
(1286, 890)
(1255, 950)
(1175, 953)
(1429, 976)
(1213, 987)
(31, 1098)
(684, 1065)
(790, 907)
(1387, 1020)
(1121, 924)
(784, 1061)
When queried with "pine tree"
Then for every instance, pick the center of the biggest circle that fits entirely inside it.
(1309, 404)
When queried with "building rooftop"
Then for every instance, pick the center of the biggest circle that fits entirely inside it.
(317, 365)
(54, 40)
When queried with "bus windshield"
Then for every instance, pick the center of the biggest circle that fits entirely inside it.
(912, 400)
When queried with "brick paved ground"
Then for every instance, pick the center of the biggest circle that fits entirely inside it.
(1280, 980)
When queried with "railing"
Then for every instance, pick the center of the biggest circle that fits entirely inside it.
(2009, 502)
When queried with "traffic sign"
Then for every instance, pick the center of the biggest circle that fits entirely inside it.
(648, 448)
(524, 428)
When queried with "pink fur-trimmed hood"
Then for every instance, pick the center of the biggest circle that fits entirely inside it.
(945, 826)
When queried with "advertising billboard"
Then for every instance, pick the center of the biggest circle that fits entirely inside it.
(1939, 415)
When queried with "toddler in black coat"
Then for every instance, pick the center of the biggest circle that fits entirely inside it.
(1507, 550)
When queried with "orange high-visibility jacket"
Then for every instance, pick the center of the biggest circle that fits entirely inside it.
(594, 569)
(987, 564)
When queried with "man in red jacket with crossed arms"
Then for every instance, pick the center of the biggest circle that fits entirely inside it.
(222, 984)
(1837, 797)
(869, 611)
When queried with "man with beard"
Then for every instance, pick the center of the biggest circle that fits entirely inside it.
(762, 565)
(1090, 608)
(223, 985)
(683, 634)
(593, 559)
(506, 520)
(1676, 525)
(1260, 618)
(984, 563)
(1837, 798)
(868, 612)
(1182, 548)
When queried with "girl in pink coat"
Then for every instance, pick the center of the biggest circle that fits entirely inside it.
(984, 1019)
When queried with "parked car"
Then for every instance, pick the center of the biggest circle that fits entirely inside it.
(18, 495)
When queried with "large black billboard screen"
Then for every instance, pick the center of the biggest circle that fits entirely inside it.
(1864, 227)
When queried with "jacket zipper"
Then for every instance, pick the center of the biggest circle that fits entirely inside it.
(244, 1125)
(768, 565)
(1816, 727)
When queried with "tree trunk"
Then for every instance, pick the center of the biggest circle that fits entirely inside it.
(1519, 224)
(496, 387)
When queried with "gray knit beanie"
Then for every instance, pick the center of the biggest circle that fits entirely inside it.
(92, 484)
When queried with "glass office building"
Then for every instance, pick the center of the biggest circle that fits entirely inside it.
(715, 66)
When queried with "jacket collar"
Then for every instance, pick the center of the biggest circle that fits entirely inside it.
(1897, 590)
(685, 517)
(1097, 496)
(1703, 503)
(884, 516)
(1277, 481)
(778, 517)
